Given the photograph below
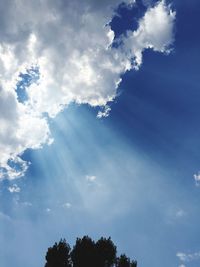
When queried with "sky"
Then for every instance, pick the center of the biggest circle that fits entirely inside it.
(99, 128)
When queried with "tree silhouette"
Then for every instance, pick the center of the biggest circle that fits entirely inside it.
(124, 261)
(58, 255)
(105, 252)
(86, 253)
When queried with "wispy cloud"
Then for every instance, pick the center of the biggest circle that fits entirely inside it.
(187, 257)
(104, 113)
(197, 178)
(48, 210)
(14, 188)
(90, 178)
(67, 205)
(4, 216)
(180, 213)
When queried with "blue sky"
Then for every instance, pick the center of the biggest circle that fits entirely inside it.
(128, 175)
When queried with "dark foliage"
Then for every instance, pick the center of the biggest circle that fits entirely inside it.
(58, 255)
(105, 252)
(83, 253)
(86, 253)
(124, 261)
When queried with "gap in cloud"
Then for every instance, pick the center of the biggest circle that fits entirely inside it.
(32, 75)
(127, 17)
(17, 166)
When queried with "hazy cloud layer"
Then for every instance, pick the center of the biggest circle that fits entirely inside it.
(70, 44)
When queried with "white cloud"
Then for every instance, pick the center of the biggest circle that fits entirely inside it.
(70, 44)
(104, 113)
(91, 178)
(14, 189)
(188, 257)
(197, 178)
(155, 31)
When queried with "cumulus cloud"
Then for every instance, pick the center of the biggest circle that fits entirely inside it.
(154, 31)
(70, 43)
